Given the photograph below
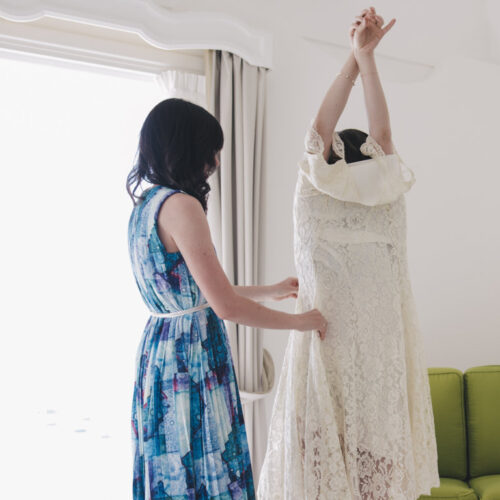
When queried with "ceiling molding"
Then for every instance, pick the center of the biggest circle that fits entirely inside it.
(160, 27)
(65, 42)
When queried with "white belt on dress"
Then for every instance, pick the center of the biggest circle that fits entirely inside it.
(180, 313)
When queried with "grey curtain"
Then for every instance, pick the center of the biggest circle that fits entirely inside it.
(236, 96)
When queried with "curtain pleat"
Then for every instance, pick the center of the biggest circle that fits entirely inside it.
(237, 99)
(234, 91)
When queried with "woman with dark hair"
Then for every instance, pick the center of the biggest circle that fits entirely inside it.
(188, 431)
(352, 418)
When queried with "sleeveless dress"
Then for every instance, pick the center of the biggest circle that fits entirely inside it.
(352, 418)
(188, 431)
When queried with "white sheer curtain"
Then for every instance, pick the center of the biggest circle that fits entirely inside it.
(234, 91)
(185, 85)
(236, 96)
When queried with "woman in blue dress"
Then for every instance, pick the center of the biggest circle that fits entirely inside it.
(187, 423)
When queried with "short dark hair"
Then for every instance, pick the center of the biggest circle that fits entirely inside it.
(352, 138)
(178, 139)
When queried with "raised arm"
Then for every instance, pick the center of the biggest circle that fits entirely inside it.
(366, 37)
(334, 102)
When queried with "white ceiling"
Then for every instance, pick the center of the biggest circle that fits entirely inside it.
(425, 32)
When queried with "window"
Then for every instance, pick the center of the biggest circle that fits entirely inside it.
(72, 315)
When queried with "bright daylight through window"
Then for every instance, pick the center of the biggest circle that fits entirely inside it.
(72, 314)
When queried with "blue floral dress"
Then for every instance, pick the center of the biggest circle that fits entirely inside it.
(188, 432)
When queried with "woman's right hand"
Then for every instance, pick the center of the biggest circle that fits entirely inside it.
(366, 31)
(313, 320)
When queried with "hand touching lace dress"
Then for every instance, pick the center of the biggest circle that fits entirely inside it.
(352, 418)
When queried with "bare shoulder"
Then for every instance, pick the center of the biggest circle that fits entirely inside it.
(182, 214)
(182, 200)
(180, 205)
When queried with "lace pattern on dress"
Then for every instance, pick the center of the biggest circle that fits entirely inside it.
(338, 145)
(371, 148)
(352, 418)
(313, 142)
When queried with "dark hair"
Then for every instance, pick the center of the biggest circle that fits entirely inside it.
(177, 140)
(352, 139)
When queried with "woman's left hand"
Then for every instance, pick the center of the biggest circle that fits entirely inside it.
(366, 31)
(286, 288)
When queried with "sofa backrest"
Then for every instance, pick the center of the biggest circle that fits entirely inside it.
(482, 398)
(447, 393)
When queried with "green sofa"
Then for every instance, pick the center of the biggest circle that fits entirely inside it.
(466, 410)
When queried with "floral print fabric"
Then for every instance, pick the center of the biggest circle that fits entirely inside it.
(188, 432)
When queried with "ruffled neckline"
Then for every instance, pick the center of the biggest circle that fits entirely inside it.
(381, 179)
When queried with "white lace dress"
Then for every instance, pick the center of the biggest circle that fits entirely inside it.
(352, 418)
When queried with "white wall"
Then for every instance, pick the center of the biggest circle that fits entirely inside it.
(446, 129)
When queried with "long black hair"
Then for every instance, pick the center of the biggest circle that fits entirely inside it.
(178, 144)
(352, 138)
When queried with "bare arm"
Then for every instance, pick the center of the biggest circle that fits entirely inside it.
(366, 37)
(282, 290)
(376, 105)
(334, 102)
(257, 293)
(190, 231)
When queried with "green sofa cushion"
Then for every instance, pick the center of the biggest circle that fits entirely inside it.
(482, 400)
(451, 489)
(488, 487)
(447, 390)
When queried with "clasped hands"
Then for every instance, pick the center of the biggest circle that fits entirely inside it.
(366, 31)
